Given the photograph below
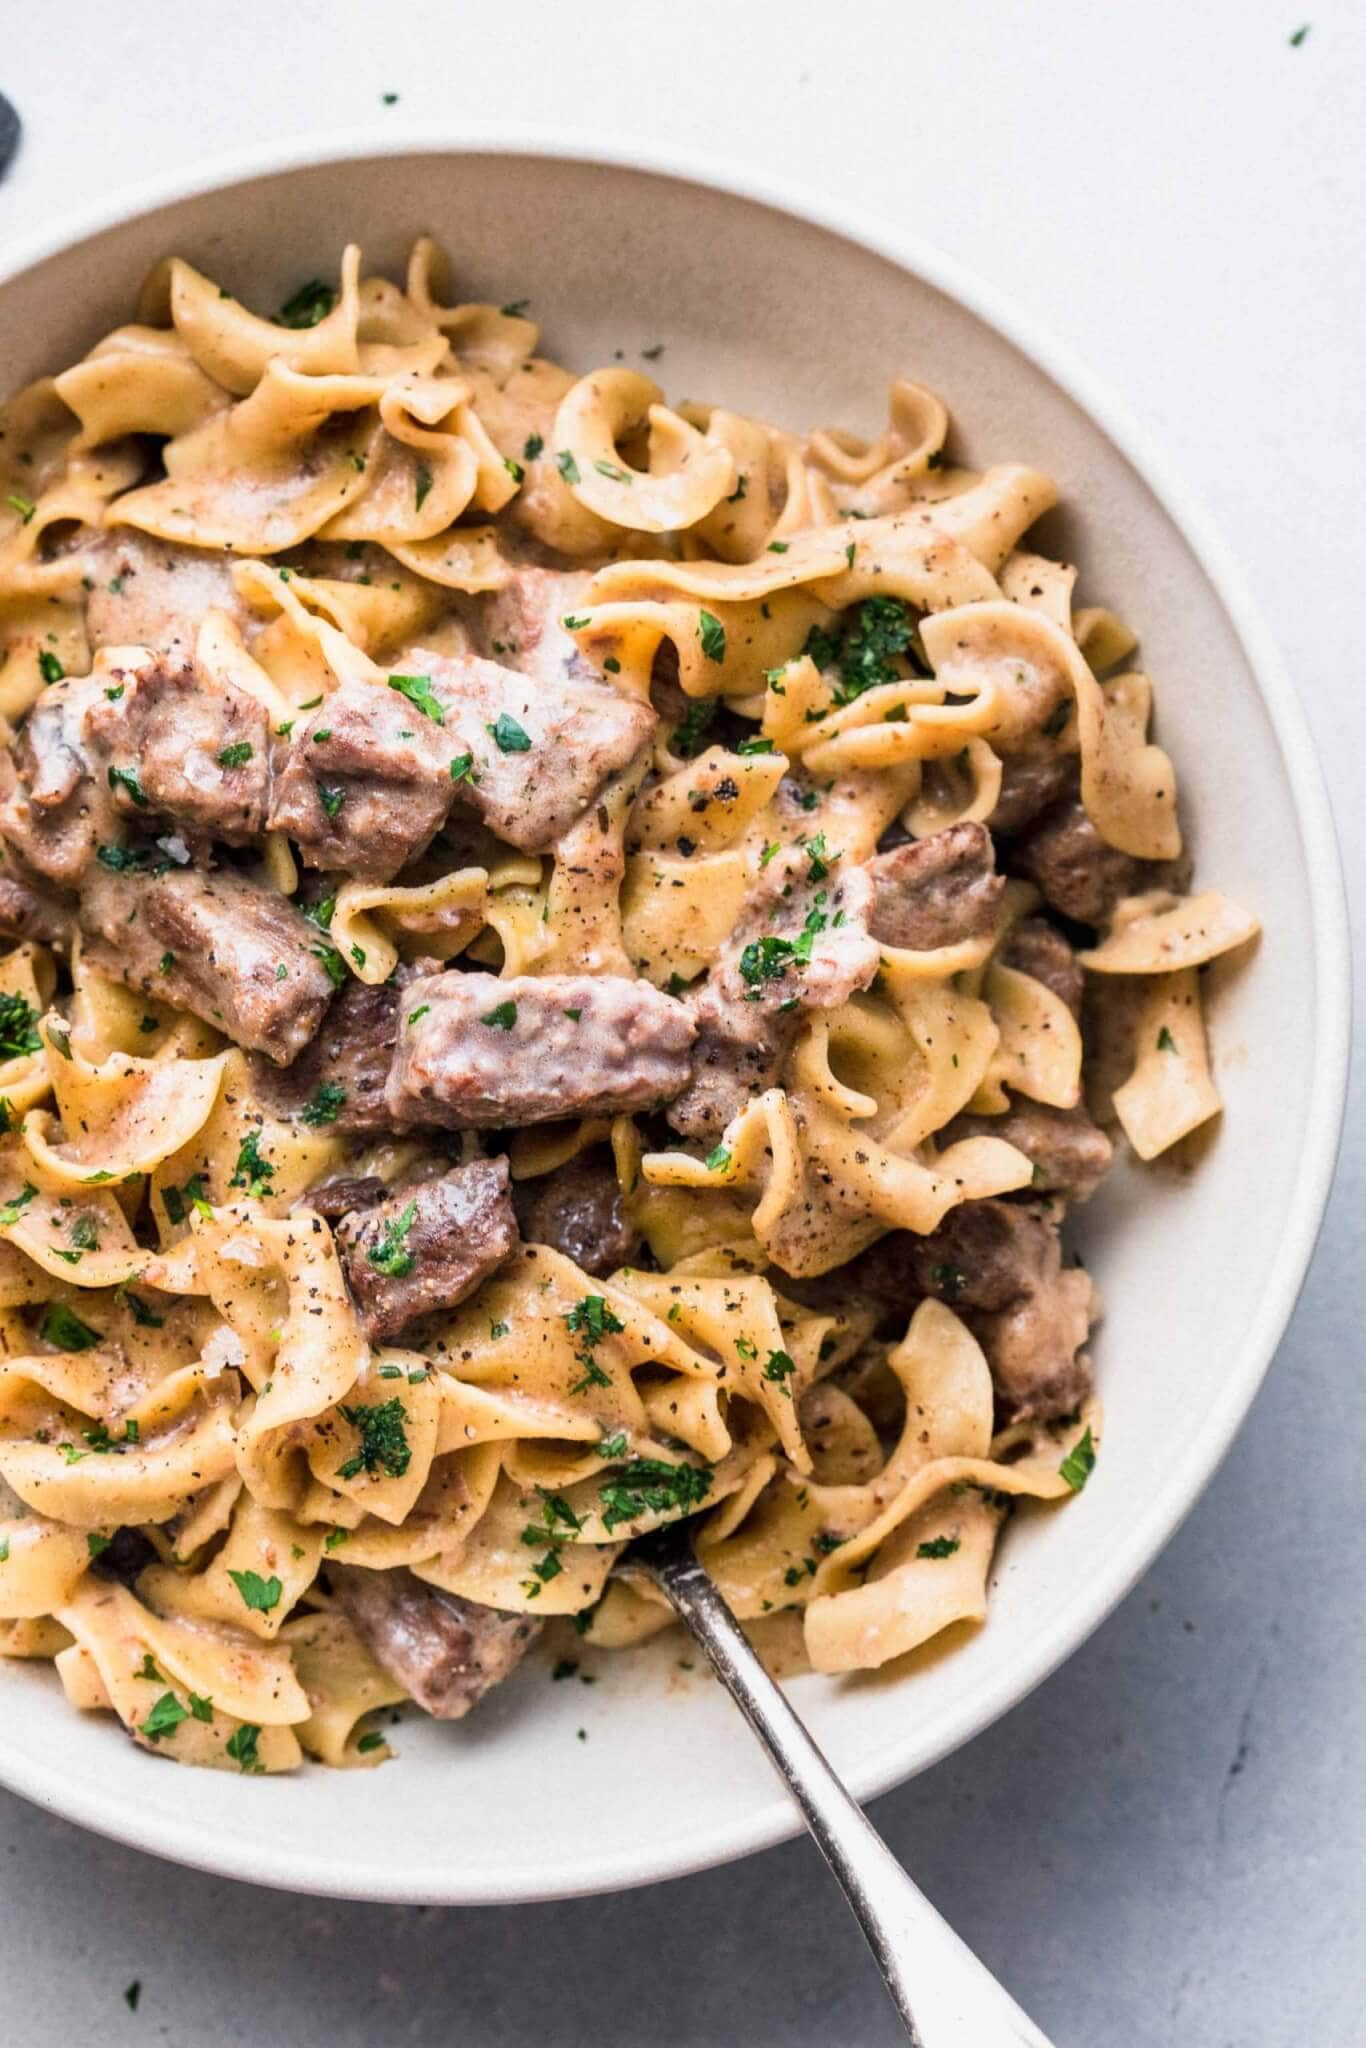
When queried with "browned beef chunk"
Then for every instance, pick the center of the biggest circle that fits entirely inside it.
(350, 1057)
(799, 946)
(29, 909)
(154, 593)
(195, 750)
(1071, 1154)
(1077, 871)
(55, 806)
(475, 1052)
(577, 1210)
(1030, 784)
(444, 1651)
(938, 891)
(540, 753)
(427, 1247)
(999, 1265)
(366, 781)
(1037, 948)
(336, 1198)
(521, 625)
(235, 954)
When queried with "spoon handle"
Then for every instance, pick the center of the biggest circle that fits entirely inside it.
(956, 2002)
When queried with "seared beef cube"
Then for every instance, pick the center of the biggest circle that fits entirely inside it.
(1081, 874)
(366, 782)
(173, 742)
(427, 1247)
(540, 753)
(1030, 785)
(234, 953)
(340, 1076)
(737, 1054)
(998, 1265)
(1071, 1155)
(1037, 948)
(29, 909)
(577, 1210)
(521, 625)
(54, 805)
(154, 593)
(799, 946)
(445, 1652)
(938, 891)
(477, 1052)
(338, 1197)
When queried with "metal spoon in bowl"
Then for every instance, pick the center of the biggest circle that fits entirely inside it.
(945, 1997)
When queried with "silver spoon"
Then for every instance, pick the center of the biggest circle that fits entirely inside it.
(945, 1997)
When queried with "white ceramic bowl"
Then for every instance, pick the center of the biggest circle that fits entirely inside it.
(764, 307)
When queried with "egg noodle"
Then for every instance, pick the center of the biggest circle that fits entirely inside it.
(185, 1381)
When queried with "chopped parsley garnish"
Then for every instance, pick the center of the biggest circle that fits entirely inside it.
(96, 1544)
(779, 1368)
(310, 304)
(258, 1593)
(332, 962)
(590, 1320)
(1300, 33)
(146, 1317)
(416, 1016)
(1077, 1467)
(768, 958)
(688, 733)
(126, 778)
(147, 1669)
(865, 653)
(461, 766)
(63, 1328)
(320, 913)
(18, 1027)
(773, 847)
(422, 483)
(165, 1717)
(742, 485)
(84, 1235)
(1165, 1041)
(938, 1546)
(175, 1199)
(372, 1739)
(758, 745)
(532, 447)
(335, 1538)
(49, 668)
(509, 737)
(777, 547)
(418, 690)
(241, 1746)
(166, 962)
(819, 860)
(613, 471)
(252, 1172)
(391, 1255)
(613, 1447)
(235, 756)
(950, 1280)
(383, 1438)
(717, 1160)
(10, 1211)
(649, 1486)
(502, 1018)
(515, 309)
(558, 1524)
(712, 634)
(25, 507)
(331, 797)
(568, 468)
(574, 622)
(200, 1707)
(323, 1105)
(514, 469)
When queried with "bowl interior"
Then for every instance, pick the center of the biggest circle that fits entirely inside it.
(557, 1788)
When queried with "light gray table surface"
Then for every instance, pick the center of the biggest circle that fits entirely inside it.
(1165, 1844)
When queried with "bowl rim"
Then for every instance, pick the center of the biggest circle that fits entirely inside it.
(279, 1863)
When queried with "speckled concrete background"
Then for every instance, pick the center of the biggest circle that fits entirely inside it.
(1166, 1844)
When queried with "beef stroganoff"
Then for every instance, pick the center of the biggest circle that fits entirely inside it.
(567, 957)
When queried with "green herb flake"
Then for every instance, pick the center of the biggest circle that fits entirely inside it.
(717, 1160)
(1077, 1467)
(384, 1443)
(331, 797)
(25, 507)
(508, 735)
(461, 766)
(257, 1593)
(712, 634)
(96, 1544)
(19, 1034)
(938, 1546)
(650, 1486)
(324, 1105)
(142, 1314)
(532, 447)
(1165, 1041)
(235, 756)
(165, 1717)
(332, 962)
(568, 468)
(241, 1746)
(63, 1329)
(310, 304)
(391, 1255)
(502, 1018)
(9, 1213)
(418, 691)
(49, 668)
(200, 1706)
